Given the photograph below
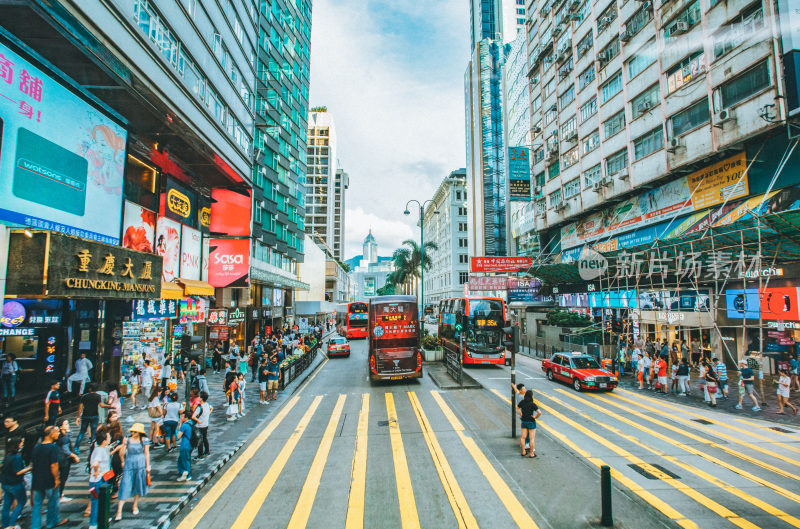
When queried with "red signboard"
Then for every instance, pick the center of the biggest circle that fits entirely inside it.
(229, 262)
(395, 321)
(779, 303)
(218, 332)
(230, 212)
(500, 264)
(477, 283)
(218, 317)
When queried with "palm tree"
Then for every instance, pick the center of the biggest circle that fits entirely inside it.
(407, 261)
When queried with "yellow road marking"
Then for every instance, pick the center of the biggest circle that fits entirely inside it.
(210, 498)
(783, 492)
(358, 475)
(703, 475)
(512, 504)
(700, 498)
(732, 439)
(302, 509)
(262, 490)
(464, 516)
(628, 483)
(793, 435)
(405, 492)
(683, 410)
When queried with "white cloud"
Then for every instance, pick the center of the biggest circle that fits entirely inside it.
(391, 73)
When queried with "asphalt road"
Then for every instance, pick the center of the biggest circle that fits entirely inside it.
(345, 453)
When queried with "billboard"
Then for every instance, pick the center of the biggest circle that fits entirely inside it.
(179, 203)
(168, 246)
(204, 260)
(62, 161)
(230, 213)
(229, 262)
(519, 174)
(499, 264)
(483, 283)
(139, 228)
(191, 248)
(523, 290)
(369, 286)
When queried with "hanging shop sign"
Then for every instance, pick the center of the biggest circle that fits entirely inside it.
(14, 314)
(218, 317)
(191, 248)
(218, 332)
(17, 331)
(774, 303)
(499, 264)
(483, 283)
(139, 228)
(168, 246)
(229, 262)
(519, 174)
(230, 212)
(180, 203)
(236, 316)
(192, 310)
(154, 309)
(57, 265)
(62, 161)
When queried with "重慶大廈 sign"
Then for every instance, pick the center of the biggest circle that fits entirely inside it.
(499, 264)
(482, 283)
(56, 265)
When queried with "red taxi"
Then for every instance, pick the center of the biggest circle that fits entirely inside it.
(581, 370)
(338, 346)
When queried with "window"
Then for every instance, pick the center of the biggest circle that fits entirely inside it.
(554, 198)
(639, 20)
(644, 101)
(539, 179)
(648, 143)
(553, 171)
(462, 243)
(583, 11)
(569, 158)
(607, 17)
(462, 258)
(568, 127)
(741, 27)
(540, 206)
(591, 176)
(538, 155)
(745, 85)
(612, 87)
(536, 104)
(458, 195)
(609, 52)
(617, 162)
(614, 124)
(585, 44)
(462, 211)
(686, 70)
(463, 277)
(586, 77)
(549, 88)
(521, 11)
(550, 115)
(689, 17)
(692, 117)
(567, 97)
(462, 226)
(588, 109)
(643, 58)
(572, 188)
(565, 68)
(591, 142)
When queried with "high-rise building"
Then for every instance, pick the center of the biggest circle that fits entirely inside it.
(448, 229)
(486, 179)
(326, 184)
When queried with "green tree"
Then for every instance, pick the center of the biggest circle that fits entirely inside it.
(409, 260)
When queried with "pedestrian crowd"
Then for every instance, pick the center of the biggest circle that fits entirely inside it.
(38, 460)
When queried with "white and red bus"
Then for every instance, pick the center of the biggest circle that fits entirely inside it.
(351, 319)
(394, 338)
(473, 328)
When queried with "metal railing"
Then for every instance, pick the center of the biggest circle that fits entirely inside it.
(455, 369)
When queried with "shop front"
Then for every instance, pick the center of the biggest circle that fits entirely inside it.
(237, 328)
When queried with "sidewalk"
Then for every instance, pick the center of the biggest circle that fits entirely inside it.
(167, 496)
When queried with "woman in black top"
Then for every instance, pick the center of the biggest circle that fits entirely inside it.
(12, 484)
(528, 412)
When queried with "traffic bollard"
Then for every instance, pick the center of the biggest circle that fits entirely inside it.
(103, 507)
(606, 518)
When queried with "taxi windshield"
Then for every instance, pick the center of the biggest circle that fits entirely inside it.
(585, 362)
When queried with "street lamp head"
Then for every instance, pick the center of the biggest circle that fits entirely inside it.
(406, 212)
(436, 212)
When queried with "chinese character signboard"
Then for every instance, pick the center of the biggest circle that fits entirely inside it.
(519, 174)
(482, 283)
(192, 310)
(218, 317)
(53, 264)
(154, 309)
(62, 161)
(236, 316)
(499, 264)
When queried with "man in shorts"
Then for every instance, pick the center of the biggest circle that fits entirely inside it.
(263, 380)
(662, 373)
(273, 375)
(746, 385)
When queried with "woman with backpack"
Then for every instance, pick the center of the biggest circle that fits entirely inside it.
(187, 436)
(136, 472)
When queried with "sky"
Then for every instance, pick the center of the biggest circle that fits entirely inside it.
(392, 74)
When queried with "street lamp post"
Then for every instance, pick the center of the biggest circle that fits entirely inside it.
(421, 249)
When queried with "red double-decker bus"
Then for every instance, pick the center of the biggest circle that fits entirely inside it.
(351, 320)
(394, 342)
(473, 328)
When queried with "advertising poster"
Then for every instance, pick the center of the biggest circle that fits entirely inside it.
(742, 303)
(168, 246)
(519, 174)
(179, 203)
(191, 248)
(395, 322)
(719, 182)
(369, 286)
(499, 264)
(62, 160)
(483, 283)
(230, 213)
(779, 303)
(204, 260)
(139, 228)
(523, 289)
(229, 262)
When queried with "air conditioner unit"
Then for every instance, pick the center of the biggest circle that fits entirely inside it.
(604, 21)
(675, 144)
(623, 174)
(563, 73)
(582, 49)
(625, 35)
(536, 130)
(553, 107)
(722, 116)
(644, 106)
(572, 136)
(680, 28)
(545, 10)
(560, 207)
(602, 56)
(605, 181)
(597, 187)
(537, 190)
(558, 29)
(552, 153)
(574, 4)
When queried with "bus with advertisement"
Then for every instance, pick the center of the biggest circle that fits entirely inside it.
(351, 319)
(472, 327)
(394, 338)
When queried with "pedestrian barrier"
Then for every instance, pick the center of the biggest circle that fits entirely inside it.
(452, 361)
(296, 366)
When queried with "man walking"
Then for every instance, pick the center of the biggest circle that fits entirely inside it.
(746, 385)
(89, 415)
(148, 374)
(81, 374)
(263, 379)
(201, 416)
(722, 376)
(273, 375)
(45, 481)
(52, 404)
(185, 453)
(8, 377)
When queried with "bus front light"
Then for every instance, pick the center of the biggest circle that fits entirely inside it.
(372, 364)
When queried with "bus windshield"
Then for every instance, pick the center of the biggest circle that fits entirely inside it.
(486, 320)
(486, 309)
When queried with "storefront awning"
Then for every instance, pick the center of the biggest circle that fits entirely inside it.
(192, 287)
(171, 290)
